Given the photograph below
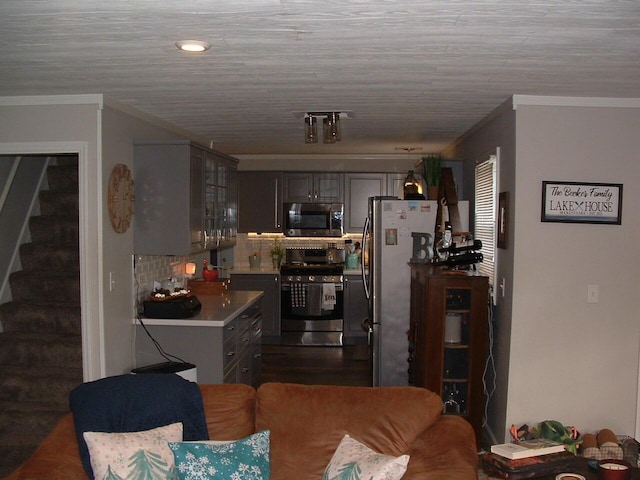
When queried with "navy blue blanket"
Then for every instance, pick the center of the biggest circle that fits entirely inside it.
(133, 403)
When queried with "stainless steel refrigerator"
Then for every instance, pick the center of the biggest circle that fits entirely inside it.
(388, 244)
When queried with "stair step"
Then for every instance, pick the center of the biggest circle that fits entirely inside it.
(23, 427)
(45, 286)
(40, 384)
(33, 317)
(63, 177)
(39, 256)
(12, 456)
(54, 230)
(34, 349)
(28, 423)
(63, 203)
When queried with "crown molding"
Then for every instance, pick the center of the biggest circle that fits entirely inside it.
(550, 101)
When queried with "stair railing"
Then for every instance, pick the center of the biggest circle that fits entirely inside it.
(9, 182)
(11, 263)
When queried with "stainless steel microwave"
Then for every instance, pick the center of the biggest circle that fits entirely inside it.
(313, 219)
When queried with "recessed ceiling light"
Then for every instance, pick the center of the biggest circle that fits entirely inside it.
(193, 46)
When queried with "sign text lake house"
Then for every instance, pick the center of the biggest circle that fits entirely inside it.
(581, 202)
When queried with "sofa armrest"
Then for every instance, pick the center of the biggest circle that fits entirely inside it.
(57, 457)
(446, 450)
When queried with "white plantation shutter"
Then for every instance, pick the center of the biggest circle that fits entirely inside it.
(485, 214)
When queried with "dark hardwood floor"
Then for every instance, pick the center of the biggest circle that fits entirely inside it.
(347, 365)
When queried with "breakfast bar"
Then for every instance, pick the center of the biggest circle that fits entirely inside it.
(222, 339)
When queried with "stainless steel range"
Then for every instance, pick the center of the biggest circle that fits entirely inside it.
(312, 297)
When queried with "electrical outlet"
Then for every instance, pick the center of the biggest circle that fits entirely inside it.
(593, 293)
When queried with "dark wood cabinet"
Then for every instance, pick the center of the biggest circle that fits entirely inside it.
(449, 338)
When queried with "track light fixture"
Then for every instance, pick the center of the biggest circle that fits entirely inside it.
(330, 127)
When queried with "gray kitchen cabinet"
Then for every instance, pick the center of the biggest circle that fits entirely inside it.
(356, 309)
(260, 201)
(186, 198)
(228, 353)
(221, 201)
(313, 187)
(395, 183)
(358, 188)
(270, 285)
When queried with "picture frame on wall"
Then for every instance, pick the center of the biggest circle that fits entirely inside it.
(582, 202)
(503, 219)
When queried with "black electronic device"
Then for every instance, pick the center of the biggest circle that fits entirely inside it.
(184, 306)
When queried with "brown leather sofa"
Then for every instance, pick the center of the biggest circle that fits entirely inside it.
(306, 425)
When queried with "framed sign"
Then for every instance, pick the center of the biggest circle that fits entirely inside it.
(578, 202)
(503, 219)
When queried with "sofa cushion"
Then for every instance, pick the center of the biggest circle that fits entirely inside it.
(135, 454)
(353, 459)
(307, 422)
(247, 458)
(230, 410)
(131, 403)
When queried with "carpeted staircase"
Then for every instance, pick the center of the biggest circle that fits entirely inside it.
(41, 346)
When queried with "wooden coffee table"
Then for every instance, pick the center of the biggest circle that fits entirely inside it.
(582, 467)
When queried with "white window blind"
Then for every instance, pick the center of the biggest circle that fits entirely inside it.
(486, 198)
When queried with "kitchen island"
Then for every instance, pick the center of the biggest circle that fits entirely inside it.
(222, 339)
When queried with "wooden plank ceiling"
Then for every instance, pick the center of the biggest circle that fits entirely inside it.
(413, 73)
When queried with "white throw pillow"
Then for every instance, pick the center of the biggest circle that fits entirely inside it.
(353, 459)
(134, 454)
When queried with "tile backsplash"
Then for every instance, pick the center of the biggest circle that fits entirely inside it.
(150, 268)
(157, 268)
(248, 244)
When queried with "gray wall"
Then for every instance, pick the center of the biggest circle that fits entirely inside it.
(496, 134)
(559, 357)
(102, 132)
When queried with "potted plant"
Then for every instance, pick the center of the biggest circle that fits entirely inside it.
(276, 252)
(431, 171)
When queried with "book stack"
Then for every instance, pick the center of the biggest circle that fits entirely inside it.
(527, 459)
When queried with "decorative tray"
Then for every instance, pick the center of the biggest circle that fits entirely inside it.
(163, 295)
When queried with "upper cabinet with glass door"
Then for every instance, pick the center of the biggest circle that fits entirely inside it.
(185, 198)
(222, 204)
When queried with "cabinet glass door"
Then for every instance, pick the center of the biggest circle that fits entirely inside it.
(455, 375)
(210, 200)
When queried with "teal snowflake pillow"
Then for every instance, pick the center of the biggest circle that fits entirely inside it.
(146, 454)
(246, 459)
(355, 461)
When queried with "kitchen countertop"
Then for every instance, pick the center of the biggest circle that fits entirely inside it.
(271, 271)
(217, 310)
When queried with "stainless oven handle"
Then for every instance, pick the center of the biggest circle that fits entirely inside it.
(365, 280)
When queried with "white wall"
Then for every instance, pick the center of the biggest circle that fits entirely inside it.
(497, 131)
(45, 125)
(573, 361)
(557, 356)
(102, 132)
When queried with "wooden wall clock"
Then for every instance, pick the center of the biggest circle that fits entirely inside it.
(120, 198)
